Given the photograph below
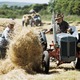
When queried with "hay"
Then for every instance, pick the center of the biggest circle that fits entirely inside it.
(18, 74)
(68, 75)
(6, 66)
(25, 49)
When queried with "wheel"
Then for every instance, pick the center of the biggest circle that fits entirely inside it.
(44, 46)
(46, 62)
(43, 40)
(77, 66)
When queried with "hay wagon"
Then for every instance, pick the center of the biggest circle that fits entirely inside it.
(31, 20)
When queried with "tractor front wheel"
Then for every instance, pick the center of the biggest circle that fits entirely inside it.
(46, 62)
(77, 66)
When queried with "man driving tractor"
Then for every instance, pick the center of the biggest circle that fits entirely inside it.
(63, 25)
(63, 38)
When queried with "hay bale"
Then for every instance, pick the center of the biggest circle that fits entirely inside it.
(25, 49)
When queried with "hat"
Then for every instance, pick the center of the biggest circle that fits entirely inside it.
(58, 16)
(12, 22)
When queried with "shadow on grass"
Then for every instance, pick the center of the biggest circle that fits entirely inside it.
(54, 72)
(67, 68)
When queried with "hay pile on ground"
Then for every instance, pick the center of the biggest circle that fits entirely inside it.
(68, 75)
(26, 50)
(6, 66)
(17, 74)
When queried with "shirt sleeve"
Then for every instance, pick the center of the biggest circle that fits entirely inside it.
(6, 35)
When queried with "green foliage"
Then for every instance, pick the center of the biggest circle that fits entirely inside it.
(68, 7)
(65, 6)
(72, 18)
(76, 9)
(42, 12)
(46, 17)
(39, 7)
(4, 6)
(17, 12)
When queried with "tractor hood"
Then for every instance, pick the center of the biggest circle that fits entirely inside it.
(62, 35)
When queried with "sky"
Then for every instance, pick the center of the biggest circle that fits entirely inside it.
(29, 1)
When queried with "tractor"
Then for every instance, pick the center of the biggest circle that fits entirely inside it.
(66, 48)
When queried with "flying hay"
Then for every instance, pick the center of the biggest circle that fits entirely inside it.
(26, 50)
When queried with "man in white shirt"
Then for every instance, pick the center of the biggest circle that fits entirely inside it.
(6, 38)
(8, 31)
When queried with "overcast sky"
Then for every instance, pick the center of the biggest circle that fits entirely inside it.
(30, 1)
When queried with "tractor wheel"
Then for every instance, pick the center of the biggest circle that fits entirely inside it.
(46, 62)
(43, 40)
(77, 66)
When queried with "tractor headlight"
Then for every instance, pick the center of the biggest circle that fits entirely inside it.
(78, 45)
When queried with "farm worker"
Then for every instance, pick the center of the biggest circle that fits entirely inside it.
(29, 20)
(63, 25)
(6, 38)
(23, 20)
(8, 31)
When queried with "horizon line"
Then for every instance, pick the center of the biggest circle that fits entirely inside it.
(24, 2)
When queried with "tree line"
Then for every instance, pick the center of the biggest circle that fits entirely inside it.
(17, 11)
(71, 7)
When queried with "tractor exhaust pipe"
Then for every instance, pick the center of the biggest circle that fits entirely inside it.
(54, 27)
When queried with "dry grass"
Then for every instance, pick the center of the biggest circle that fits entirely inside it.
(69, 75)
(20, 74)
(4, 22)
(6, 66)
(17, 74)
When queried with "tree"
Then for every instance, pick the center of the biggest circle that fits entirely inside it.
(5, 6)
(51, 6)
(76, 9)
(39, 7)
(65, 6)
